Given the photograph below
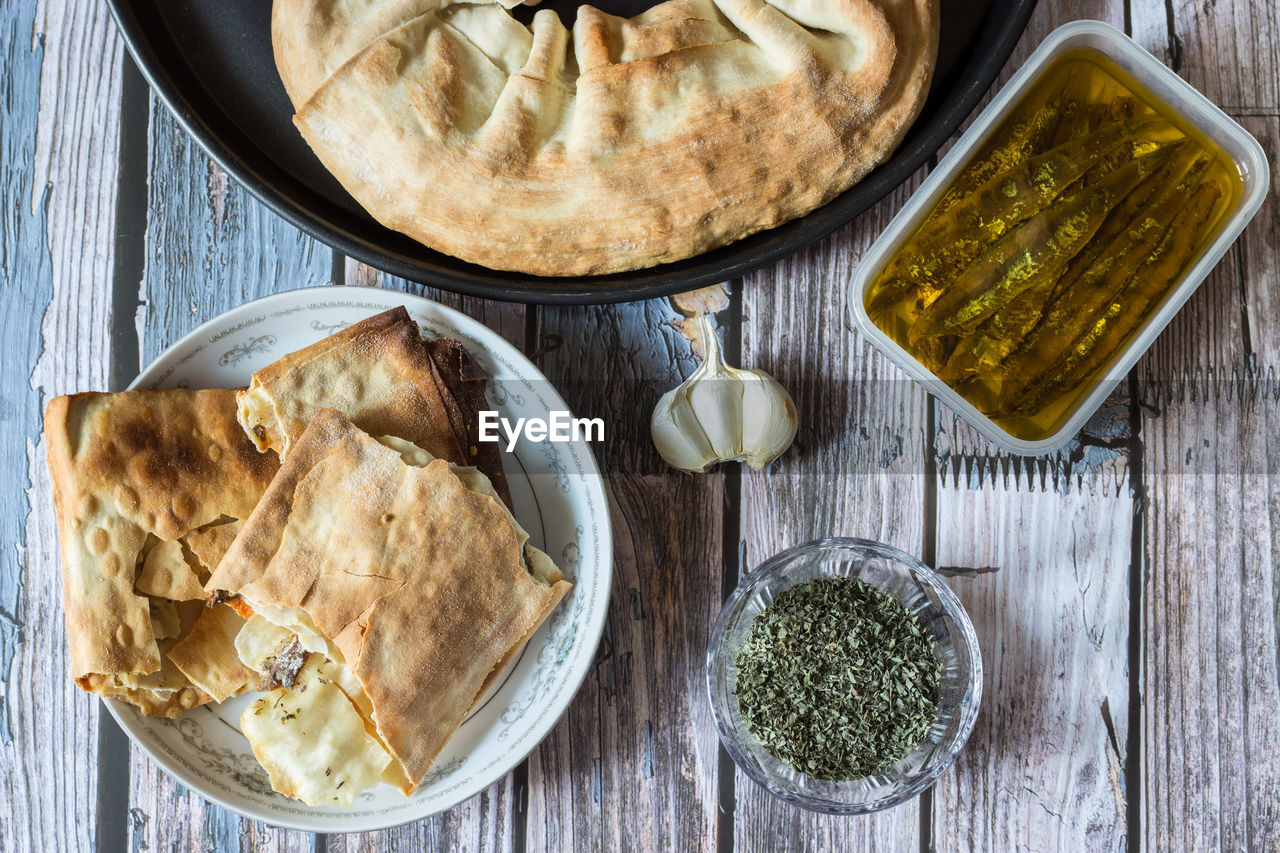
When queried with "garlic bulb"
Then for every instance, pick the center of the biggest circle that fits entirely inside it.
(722, 414)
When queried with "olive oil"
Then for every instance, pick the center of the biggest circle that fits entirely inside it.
(1055, 243)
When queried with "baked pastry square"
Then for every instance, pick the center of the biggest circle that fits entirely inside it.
(388, 379)
(407, 573)
(133, 474)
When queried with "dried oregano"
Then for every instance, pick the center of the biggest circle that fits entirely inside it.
(837, 679)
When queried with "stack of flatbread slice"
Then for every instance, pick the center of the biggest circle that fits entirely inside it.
(148, 486)
(389, 380)
(413, 596)
(373, 584)
(616, 145)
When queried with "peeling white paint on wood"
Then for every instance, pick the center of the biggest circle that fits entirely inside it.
(59, 128)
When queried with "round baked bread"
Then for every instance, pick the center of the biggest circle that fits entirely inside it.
(621, 144)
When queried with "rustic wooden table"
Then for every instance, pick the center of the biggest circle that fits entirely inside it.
(1125, 590)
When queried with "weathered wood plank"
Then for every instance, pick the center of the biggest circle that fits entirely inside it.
(1212, 697)
(1044, 771)
(1212, 702)
(1254, 262)
(1044, 768)
(633, 764)
(483, 823)
(210, 247)
(857, 469)
(1212, 778)
(58, 123)
(1227, 50)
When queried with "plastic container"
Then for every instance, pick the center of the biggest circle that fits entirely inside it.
(924, 595)
(1179, 98)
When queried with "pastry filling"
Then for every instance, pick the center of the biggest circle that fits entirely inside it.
(281, 667)
(258, 416)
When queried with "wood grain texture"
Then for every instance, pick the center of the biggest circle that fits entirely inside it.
(857, 469)
(1254, 264)
(210, 247)
(1212, 710)
(1211, 714)
(484, 823)
(165, 815)
(210, 244)
(633, 764)
(1226, 49)
(1044, 768)
(58, 123)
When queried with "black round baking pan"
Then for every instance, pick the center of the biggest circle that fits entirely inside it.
(210, 62)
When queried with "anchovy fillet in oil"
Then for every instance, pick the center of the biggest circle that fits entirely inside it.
(1033, 253)
(946, 245)
(1126, 312)
(1054, 245)
(1072, 307)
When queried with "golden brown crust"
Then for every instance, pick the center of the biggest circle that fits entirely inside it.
(207, 654)
(149, 702)
(623, 144)
(417, 581)
(166, 574)
(126, 467)
(329, 34)
(210, 544)
(389, 380)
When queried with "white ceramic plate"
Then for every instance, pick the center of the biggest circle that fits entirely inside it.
(558, 497)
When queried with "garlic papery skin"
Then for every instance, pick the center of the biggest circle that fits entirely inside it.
(722, 414)
(768, 419)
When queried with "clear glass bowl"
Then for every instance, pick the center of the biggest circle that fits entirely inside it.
(922, 592)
